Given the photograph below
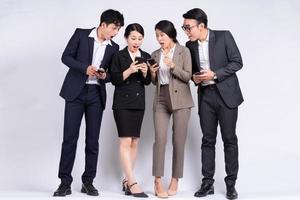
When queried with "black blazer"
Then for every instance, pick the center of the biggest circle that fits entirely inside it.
(225, 60)
(78, 56)
(129, 93)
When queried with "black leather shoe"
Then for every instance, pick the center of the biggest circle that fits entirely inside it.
(62, 190)
(139, 195)
(89, 189)
(231, 193)
(205, 190)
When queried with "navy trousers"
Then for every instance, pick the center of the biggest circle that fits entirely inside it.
(89, 104)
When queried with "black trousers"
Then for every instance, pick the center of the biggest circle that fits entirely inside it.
(89, 104)
(213, 111)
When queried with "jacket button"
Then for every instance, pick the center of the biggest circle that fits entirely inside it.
(175, 91)
(137, 94)
(126, 95)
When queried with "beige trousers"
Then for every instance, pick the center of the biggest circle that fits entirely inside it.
(162, 116)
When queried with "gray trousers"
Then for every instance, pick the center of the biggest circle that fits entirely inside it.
(162, 116)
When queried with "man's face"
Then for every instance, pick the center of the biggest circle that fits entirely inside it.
(110, 30)
(192, 29)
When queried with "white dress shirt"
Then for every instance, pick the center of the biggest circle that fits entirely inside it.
(164, 70)
(98, 53)
(204, 57)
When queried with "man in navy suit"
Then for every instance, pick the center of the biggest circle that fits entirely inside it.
(88, 55)
(215, 59)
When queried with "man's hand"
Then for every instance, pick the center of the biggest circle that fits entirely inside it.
(101, 75)
(206, 75)
(91, 70)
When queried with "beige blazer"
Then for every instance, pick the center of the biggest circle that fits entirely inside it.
(179, 86)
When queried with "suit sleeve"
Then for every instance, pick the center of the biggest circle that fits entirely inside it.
(108, 71)
(185, 73)
(115, 70)
(69, 54)
(234, 57)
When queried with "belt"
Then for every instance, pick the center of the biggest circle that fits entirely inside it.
(211, 86)
(164, 85)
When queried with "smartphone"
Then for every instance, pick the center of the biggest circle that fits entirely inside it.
(151, 61)
(101, 70)
(140, 60)
(199, 73)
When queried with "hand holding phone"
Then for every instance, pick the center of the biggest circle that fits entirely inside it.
(151, 61)
(101, 71)
(140, 60)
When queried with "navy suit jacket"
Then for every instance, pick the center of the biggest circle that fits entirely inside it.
(225, 60)
(129, 93)
(78, 55)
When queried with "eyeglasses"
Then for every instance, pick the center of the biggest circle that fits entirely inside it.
(187, 28)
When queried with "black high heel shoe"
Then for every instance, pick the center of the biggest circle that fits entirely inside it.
(124, 184)
(139, 195)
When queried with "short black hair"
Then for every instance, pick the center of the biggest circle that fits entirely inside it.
(168, 28)
(197, 14)
(133, 27)
(111, 16)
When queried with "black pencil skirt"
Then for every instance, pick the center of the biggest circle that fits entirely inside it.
(129, 122)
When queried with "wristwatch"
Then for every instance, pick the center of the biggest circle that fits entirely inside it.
(215, 76)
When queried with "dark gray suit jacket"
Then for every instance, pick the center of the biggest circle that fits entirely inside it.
(225, 60)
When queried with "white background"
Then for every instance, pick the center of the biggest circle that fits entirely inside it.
(33, 35)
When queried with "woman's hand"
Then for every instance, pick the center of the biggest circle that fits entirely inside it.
(144, 69)
(134, 67)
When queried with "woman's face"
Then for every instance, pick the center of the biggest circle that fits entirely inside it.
(163, 39)
(134, 41)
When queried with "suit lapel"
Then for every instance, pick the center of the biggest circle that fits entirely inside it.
(195, 47)
(126, 56)
(91, 49)
(106, 56)
(176, 54)
(211, 47)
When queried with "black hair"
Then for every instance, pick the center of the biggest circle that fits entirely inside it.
(197, 14)
(111, 16)
(168, 28)
(133, 27)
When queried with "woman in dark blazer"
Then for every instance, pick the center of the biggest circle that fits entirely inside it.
(129, 77)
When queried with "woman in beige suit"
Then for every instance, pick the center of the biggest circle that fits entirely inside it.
(171, 75)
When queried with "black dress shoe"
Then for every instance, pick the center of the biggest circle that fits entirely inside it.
(89, 189)
(231, 193)
(139, 195)
(62, 190)
(206, 189)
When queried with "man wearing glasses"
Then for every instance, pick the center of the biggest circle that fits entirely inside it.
(215, 59)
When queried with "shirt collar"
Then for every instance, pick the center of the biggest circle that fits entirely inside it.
(171, 50)
(93, 34)
(207, 37)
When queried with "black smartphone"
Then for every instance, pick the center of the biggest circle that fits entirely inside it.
(199, 73)
(101, 70)
(140, 60)
(151, 61)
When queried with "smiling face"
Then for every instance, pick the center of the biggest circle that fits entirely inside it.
(163, 39)
(134, 41)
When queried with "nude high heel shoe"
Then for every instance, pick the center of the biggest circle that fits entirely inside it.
(162, 195)
(172, 192)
